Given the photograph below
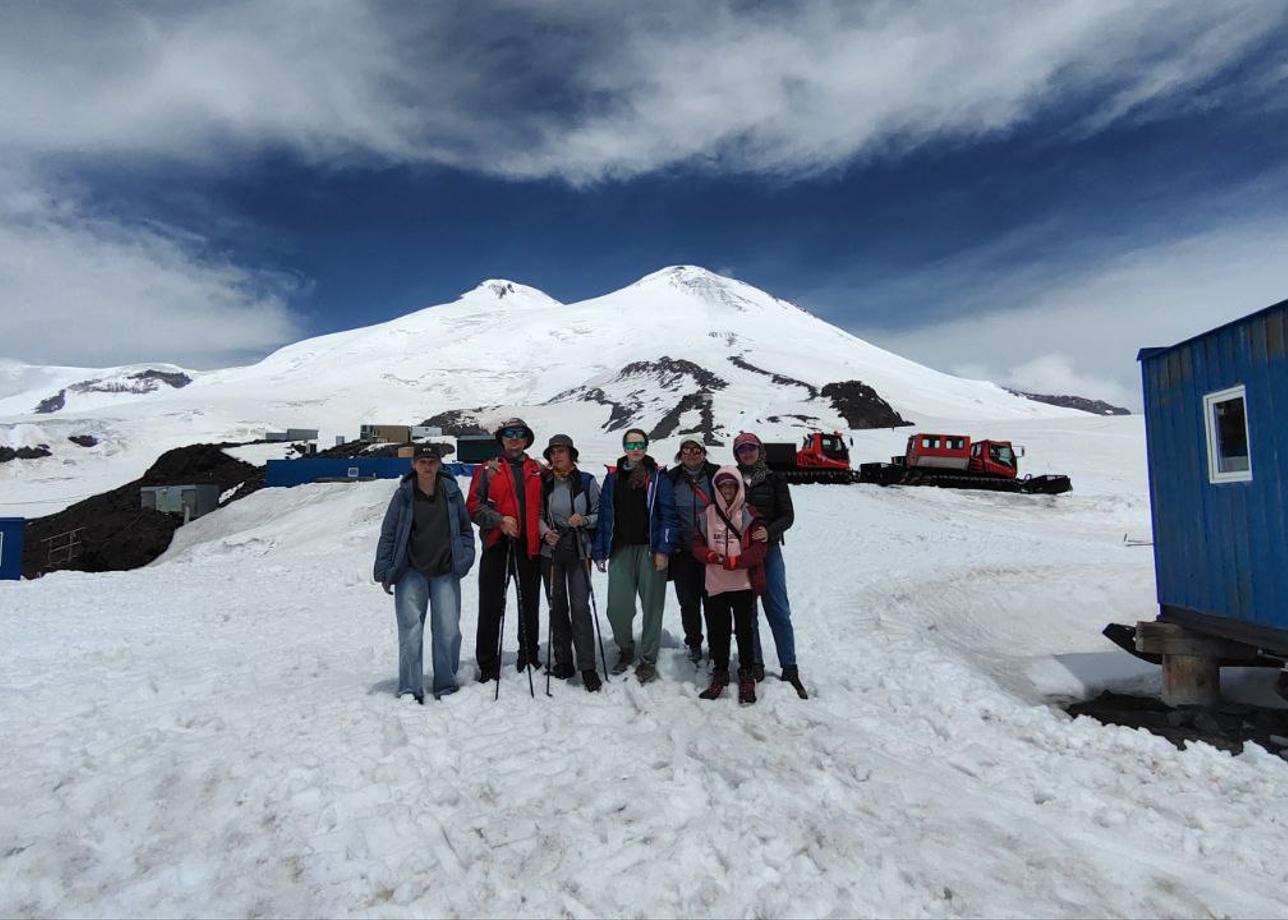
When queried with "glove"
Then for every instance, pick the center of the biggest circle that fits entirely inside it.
(730, 563)
(388, 589)
(713, 558)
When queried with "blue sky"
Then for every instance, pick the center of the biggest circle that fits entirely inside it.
(1017, 191)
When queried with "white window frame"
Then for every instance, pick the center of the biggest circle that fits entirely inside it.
(1209, 426)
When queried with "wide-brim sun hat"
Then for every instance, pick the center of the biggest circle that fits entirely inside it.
(561, 440)
(516, 423)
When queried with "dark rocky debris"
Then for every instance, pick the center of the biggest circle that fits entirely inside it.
(84, 440)
(780, 379)
(51, 404)
(861, 406)
(172, 378)
(1228, 727)
(118, 532)
(1094, 406)
(456, 422)
(24, 453)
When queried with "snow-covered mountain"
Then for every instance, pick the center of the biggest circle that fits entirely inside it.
(682, 350)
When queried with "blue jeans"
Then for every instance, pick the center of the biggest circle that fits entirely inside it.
(778, 610)
(413, 594)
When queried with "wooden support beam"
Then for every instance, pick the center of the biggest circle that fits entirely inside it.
(1191, 661)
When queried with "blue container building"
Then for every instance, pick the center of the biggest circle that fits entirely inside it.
(315, 469)
(1216, 422)
(11, 533)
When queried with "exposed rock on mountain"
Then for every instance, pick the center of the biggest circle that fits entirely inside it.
(861, 407)
(1081, 403)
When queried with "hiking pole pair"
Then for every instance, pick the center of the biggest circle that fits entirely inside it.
(511, 571)
(590, 588)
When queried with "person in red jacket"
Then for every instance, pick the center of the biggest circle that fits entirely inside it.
(734, 575)
(505, 503)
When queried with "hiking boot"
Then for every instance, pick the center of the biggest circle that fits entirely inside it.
(719, 680)
(758, 671)
(591, 681)
(487, 674)
(420, 698)
(526, 660)
(792, 676)
(563, 671)
(695, 654)
(746, 687)
(646, 672)
(624, 662)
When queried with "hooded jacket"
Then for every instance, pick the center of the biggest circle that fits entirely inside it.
(395, 530)
(734, 561)
(661, 513)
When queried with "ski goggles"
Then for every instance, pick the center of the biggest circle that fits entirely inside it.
(514, 433)
(635, 445)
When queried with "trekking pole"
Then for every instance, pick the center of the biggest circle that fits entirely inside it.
(550, 623)
(500, 632)
(590, 589)
(523, 642)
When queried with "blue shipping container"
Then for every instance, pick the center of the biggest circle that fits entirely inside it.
(1215, 412)
(311, 469)
(11, 532)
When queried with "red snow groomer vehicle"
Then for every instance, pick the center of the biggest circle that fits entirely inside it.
(954, 461)
(820, 458)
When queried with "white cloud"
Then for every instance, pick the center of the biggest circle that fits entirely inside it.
(581, 91)
(585, 91)
(82, 290)
(1078, 330)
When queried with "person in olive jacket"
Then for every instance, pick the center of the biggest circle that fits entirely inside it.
(426, 547)
(767, 492)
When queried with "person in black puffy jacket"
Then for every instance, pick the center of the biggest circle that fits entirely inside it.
(768, 493)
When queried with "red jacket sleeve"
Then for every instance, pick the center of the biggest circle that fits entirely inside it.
(700, 550)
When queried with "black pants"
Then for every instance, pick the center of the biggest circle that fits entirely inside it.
(690, 577)
(492, 585)
(730, 611)
(568, 587)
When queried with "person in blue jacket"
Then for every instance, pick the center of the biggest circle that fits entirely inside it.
(634, 541)
(426, 547)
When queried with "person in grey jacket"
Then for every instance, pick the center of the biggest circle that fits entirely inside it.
(426, 547)
(569, 513)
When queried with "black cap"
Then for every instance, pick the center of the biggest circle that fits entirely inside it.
(427, 452)
(561, 440)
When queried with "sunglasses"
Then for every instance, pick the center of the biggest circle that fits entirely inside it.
(514, 433)
(745, 449)
(635, 445)
(693, 450)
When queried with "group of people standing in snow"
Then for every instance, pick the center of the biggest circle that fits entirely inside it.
(715, 531)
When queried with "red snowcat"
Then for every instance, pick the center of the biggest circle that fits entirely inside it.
(954, 461)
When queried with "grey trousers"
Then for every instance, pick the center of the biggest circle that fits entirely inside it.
(568, 587)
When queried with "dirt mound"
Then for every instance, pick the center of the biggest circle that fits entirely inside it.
(365, 449)
(115, 531)
(1226, 727)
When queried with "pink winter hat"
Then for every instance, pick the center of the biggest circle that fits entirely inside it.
(746, 438)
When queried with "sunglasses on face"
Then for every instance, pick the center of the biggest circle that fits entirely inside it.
(514, 434)
(692, 450)
(746, 449)
(634, 445)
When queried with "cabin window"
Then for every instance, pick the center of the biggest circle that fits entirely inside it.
(1226, 416)
(956, 443)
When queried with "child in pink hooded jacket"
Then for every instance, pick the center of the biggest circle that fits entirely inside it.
(733, 578)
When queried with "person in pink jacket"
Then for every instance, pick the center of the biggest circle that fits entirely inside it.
(734, 575)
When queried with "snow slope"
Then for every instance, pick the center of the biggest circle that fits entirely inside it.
(501, 349)
(216, 734)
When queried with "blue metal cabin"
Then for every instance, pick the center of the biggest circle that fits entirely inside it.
(312, 469)
(1216, 425)
(11, 534)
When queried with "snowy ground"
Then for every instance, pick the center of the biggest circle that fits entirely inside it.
(216, 735)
